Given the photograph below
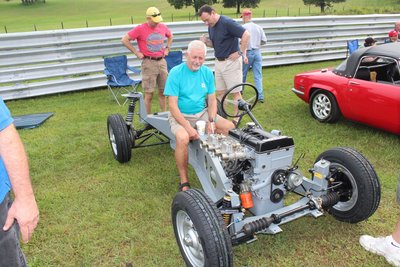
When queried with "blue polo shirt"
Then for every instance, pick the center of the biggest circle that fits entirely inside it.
(225, 36)
(191, 87)
(5, 120)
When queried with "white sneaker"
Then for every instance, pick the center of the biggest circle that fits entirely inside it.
(383, 246)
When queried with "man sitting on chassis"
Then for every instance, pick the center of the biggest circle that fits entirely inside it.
(188, 87)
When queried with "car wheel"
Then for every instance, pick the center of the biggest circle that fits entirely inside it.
(354, 178)
(120, 140)
(323, 107)
(200, 232)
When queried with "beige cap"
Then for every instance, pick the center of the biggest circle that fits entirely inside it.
(154, 14)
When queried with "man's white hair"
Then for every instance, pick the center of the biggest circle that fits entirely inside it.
(197, 44)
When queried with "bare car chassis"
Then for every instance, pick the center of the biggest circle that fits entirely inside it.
(245, 177)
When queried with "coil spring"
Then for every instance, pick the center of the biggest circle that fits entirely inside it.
(226, 203)
(227, 218)
(131, 111)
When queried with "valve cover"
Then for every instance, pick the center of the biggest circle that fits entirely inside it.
(260, 140)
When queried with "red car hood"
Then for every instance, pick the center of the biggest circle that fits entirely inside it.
(316, 72)
(323, 78)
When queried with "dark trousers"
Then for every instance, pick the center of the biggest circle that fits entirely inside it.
(10, 251)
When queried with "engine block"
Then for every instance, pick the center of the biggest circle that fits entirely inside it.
(251, 156)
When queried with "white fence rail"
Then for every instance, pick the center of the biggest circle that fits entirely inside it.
(47, 62)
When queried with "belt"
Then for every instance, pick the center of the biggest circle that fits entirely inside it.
(153, 58)
(225, 58)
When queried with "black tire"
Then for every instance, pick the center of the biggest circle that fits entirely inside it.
(132, 135)
(360, 188)
(323, 107)
(200, 232)
(118, 135)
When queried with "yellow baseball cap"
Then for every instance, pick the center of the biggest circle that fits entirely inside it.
(154, 14)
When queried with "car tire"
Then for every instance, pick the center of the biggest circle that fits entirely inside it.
(323, 107)
(358, 178)
(120, 140)
(200, 232)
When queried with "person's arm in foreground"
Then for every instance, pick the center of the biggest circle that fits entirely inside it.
(24, 208)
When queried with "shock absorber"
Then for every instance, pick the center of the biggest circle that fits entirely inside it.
(131, 111)
(226, 204)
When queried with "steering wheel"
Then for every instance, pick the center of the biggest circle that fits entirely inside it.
(235, 108)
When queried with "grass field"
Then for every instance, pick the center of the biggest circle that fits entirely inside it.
(97, 212)
(57, 14)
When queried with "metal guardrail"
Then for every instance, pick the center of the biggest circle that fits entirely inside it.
(47, 62)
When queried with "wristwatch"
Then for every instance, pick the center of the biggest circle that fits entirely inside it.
(240, 53)
(213, 120)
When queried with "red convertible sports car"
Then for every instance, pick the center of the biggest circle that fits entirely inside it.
(364, 88)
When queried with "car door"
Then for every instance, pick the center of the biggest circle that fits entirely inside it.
(374, 103)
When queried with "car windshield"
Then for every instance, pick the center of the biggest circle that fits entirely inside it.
(341, 67)
(339, 70)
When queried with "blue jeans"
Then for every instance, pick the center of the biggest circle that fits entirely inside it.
(10, 250)
(255, 62)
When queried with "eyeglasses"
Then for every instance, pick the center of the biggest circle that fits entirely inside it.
(156, 15)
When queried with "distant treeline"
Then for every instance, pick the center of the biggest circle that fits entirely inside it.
(27, 2)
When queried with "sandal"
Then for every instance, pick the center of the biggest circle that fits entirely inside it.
(181, 186)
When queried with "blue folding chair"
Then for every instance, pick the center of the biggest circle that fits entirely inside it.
(174, 58)
(352, 46)
(118, 80)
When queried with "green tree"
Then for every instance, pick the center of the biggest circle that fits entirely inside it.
(322, 3)
(240, 3)
(179, 4)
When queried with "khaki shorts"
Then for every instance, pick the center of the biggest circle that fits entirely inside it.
(154, 73)
(192, 118)
(228, 73)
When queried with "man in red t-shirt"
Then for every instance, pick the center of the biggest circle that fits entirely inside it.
(150, 37)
